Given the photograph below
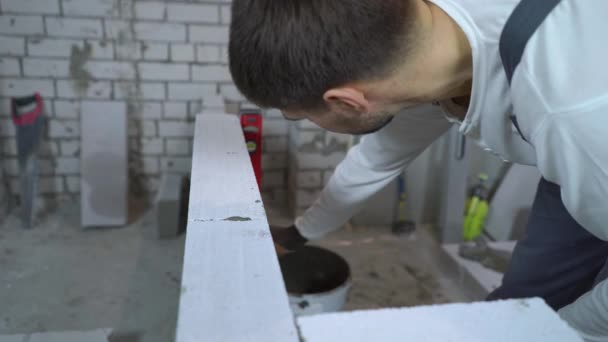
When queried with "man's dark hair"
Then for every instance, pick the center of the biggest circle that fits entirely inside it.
(287, 53)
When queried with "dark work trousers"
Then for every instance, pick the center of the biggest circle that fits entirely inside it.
(557, 259)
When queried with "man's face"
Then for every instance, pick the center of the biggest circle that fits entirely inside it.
(344, 122)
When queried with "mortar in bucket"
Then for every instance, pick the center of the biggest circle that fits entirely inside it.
(317, 280)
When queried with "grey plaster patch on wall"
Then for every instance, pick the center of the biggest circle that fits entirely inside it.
(81, 78)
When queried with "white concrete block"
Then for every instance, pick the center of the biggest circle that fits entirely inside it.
(327, 176)
(7, 129)
(49, 47)
(104, 163)
(275, 144)
(63, 128)
(523, 320)
(306, 197)
(148, 128)
(13, 338)
(207, 53)
(69, 27)
(176, 164)
(275, 127)
(152, 110)
(24, 87)
(168, 32)
(274, 161)
(150, 165)
(68, 89)
(308, 125)
(175, 110)
(30, 6)
(12, 46)
(119, 30)
(175, 129)
(21, 25)
(47, 168)
(182, 53)
(110, 70)
(72, 184)
(10, 67)
(318, 160)
(67, 109)
(190, 91)
(156, 51)
(152, 146)
(99, 335)
(213, 73)
(308, 179)
(208, 34)
(226, 14)
(164, 71)
(11, 166)
(70, 148)
(156, 10)
(130, 50)
(273, 179)
(38, 67)
(193, 13)
(146, 90)
(214, 101)
(230, 92)
(9, 147)
(179, 147)
(67, 165)
(91, 8)
(50, 185)
(224, 55)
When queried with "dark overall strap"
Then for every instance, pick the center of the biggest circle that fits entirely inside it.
(521, 25)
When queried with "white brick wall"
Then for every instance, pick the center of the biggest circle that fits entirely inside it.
(167, 60)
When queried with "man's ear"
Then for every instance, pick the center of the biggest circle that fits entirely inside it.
(347, 97)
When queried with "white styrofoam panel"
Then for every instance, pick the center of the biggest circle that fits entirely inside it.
(104, 163)
(524, 320)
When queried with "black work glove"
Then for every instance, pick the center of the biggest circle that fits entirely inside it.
(288, 239)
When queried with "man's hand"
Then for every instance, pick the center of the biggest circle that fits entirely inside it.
(287, 239)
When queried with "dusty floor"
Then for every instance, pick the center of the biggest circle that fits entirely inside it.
(60, 277)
